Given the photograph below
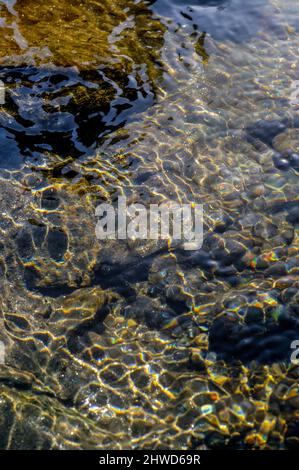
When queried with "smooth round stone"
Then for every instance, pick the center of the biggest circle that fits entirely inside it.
(49, 199)
(277, 269)
(265, 130)
(257, 190)
(284, 282)
(225, 271)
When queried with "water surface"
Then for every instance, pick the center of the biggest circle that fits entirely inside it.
(123, 344)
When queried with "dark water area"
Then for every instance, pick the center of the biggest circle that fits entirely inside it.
(142, 344)
(64, 111)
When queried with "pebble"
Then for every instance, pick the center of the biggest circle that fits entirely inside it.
(266, 131)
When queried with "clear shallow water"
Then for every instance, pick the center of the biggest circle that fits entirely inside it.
(129, 345)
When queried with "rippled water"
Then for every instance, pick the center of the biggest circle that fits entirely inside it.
(133, 344)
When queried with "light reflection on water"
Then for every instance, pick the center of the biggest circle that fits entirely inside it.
(127, 344)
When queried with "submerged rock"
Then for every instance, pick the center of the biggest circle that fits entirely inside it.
(233, 20)
(106, 341)
(85, 34)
